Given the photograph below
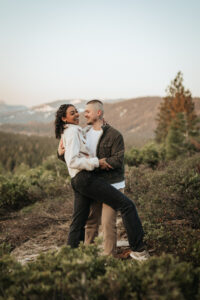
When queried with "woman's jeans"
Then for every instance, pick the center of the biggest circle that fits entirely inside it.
(89, 187)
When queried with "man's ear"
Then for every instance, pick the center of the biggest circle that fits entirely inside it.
(99, 112)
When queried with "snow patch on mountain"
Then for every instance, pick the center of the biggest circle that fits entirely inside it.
(44, 108)
(46, 115)
(76, 101)
(31, 112)
(124, 111)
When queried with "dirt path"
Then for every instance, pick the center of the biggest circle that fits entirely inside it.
(41, 227)
(51, 238)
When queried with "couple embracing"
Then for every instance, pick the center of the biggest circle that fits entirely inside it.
(95, 161)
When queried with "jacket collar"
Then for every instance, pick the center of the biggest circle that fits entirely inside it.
(105, 127)
(72, 125)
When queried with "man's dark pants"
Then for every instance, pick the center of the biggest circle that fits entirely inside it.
(89, 187)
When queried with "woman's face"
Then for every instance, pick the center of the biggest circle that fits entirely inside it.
(72, 116)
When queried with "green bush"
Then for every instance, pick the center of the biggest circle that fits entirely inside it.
(5, 249)
(174, 192)
(56, 166)
(168, 201)
(149, 155)
(132, 157)
(84, 274)
(29, 185)
(13, 193)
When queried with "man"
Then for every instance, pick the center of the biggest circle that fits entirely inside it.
(103, 141)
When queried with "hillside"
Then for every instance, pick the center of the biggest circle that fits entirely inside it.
(135, 118)
(44, 113)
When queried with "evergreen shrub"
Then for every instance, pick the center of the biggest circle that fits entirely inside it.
(84, 274)
(27, 185)
(168, 201)
(14, 193)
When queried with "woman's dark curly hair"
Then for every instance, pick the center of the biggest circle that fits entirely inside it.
(59, 124)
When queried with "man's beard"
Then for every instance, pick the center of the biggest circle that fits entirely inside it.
(91, 122)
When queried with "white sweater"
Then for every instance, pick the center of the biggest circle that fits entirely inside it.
(77, 155)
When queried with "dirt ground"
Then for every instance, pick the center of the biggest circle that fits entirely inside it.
(43, 226)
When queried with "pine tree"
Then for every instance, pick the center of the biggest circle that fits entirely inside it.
(178, 100)
(176, 140)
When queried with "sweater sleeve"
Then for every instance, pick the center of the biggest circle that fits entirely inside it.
(73, 157)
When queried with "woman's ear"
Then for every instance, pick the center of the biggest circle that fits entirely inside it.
(64, 119)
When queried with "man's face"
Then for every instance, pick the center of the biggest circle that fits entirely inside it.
(92, 114)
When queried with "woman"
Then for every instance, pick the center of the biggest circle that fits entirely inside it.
(89, 187)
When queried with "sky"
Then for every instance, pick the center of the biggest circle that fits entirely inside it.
(105, 49)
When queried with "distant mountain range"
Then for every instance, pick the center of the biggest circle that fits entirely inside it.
(135, 118)
(44, 113)
(4, 108)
